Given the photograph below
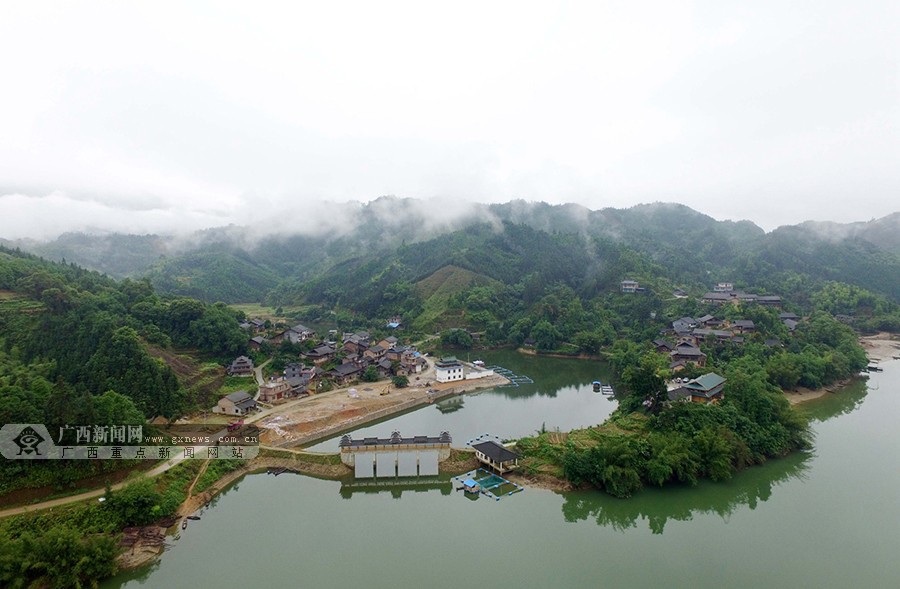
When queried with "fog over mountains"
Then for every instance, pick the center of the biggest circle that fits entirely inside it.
(249, 263)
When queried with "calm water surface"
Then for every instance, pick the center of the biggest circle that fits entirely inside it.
(828, 518)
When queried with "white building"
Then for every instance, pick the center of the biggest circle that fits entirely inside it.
(448, 369)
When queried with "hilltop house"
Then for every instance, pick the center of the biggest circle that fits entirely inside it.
(242, 366)
(705, 389)
(630, 286)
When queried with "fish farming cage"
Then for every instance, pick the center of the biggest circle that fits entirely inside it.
(514, 379)
(489, 484)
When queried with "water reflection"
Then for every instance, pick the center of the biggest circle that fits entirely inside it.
(395, 487)
(680, 503)
(846, 400)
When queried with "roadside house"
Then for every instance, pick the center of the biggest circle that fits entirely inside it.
(237, 403)
(274, 390)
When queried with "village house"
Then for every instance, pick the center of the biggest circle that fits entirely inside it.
(744, 326)
(388, 342)
(688, 354)
(630, 286)
(448, 369)
(274, 390)
(769, 300)
(321, 354)
(705, 389)
(496, 456)
(663, 345)
(375, 353)
(257, 342)
(242, 366)
(299, 333)
(385, 368)
(345, 373)
(258, 324)
(237, 403)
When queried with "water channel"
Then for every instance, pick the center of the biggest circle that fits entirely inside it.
(826, 518)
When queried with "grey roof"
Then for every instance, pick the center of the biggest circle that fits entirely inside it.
(396, 438)
(238, 396)
(788, 316)
(744, 323)
(249, 403)
(705, 318)
(301, 328)
(495, 451)
(686, 351)
(679, 393)
(346, 369)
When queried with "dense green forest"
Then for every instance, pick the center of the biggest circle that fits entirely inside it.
(290, 266)
(650, 440)
(74, 350)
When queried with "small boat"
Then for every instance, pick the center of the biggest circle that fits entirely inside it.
(194, 517)
(597, 385)
(607, 390)
(183, 524)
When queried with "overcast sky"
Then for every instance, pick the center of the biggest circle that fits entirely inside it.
(165, 116)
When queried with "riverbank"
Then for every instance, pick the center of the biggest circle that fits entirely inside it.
(881, 347)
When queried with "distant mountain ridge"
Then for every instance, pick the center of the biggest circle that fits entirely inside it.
(407, 240)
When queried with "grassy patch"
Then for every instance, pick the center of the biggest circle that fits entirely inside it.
(232, 384)
(215, 471)
(332, 459)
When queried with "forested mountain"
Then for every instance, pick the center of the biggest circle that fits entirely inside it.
(89, 335)
(403, 241)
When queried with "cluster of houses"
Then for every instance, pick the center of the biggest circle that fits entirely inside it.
(359, 350)
(295, 335)
(690, 333)
(721, 294)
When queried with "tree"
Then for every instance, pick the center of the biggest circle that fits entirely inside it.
(545, 335)
(645, 381)
(400, 381)
(370, 374)
(456, 338)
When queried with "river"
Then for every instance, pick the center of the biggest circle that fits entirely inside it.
(826, 518)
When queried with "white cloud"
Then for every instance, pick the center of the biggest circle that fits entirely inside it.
(223, 112)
